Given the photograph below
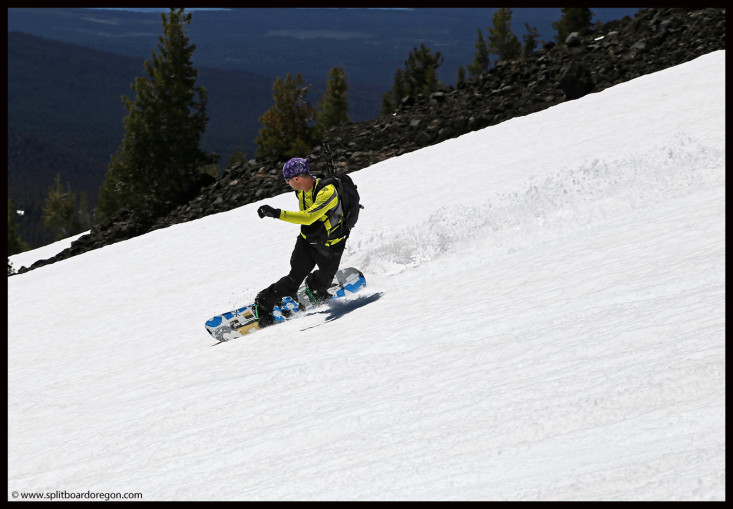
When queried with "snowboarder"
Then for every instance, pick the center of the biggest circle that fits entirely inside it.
(321, 241)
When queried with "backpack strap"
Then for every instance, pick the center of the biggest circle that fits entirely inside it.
(324, 181)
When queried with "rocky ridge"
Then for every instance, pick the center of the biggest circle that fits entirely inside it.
(618, 51)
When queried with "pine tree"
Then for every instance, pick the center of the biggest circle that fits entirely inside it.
(239, 156)
(461, 75)
(83, 218)
(531, 39)
(391, 98)
(59, 209)
(158, 165)
(333, 108)
(421, 71)
(388, 104)
(287, 129)
(420, 76)
(502, 41)
(15, 243)
(400, 86)
(574, 19)
(480, 62)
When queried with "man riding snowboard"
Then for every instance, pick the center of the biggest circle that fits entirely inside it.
(321, 241)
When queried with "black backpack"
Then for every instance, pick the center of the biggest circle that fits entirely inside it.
(346, 189)
(348, 195)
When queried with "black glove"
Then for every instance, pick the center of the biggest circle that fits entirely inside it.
(268, 211)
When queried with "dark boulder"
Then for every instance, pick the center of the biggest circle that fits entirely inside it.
(575, 80)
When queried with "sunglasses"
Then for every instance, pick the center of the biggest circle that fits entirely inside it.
(287, 181)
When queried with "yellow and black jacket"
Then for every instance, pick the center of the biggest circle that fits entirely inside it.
(320, 214)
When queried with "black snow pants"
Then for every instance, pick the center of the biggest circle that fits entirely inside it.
(304, 258)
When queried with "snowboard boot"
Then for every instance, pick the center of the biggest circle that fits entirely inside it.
(316, 296)
(264, 317)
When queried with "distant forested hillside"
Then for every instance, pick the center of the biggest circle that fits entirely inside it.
(65, 115)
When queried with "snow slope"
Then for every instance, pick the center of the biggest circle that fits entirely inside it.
(544, 320)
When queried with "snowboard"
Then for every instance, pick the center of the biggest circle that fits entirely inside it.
(242, 321)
